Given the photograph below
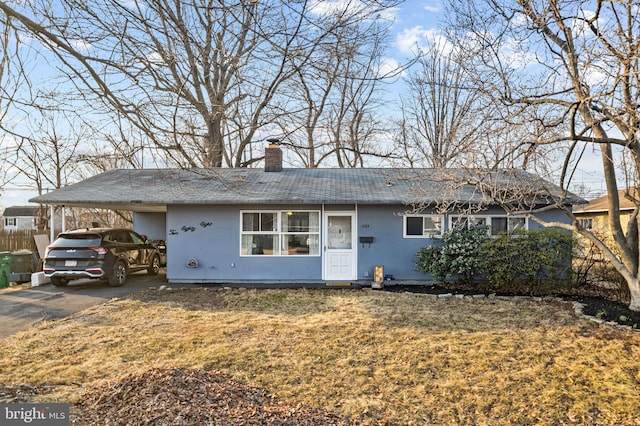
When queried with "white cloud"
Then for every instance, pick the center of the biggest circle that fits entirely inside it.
(80, 45)
(516, 56)
(320, 7)
(329, 7)
(130, 4)
(416, 39)
(390, 14)
(389, 67)
(7, 142)
(580, 26)
(432, 8)
(411, 39)
(154, 59)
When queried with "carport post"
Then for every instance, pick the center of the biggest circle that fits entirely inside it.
(51, 223)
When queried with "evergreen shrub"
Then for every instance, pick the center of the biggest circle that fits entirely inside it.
(535, 261)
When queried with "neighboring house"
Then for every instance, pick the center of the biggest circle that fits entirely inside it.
(595, 214)
(19, 218)
(302, 225)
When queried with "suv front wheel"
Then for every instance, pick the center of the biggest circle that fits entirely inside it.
(119, 274)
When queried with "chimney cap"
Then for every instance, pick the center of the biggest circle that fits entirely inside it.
(274, 141)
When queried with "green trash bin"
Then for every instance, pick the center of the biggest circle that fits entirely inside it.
(5, 268)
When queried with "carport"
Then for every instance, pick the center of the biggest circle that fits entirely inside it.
(149, 219)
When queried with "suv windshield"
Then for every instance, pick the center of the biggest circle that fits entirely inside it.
(77, 240)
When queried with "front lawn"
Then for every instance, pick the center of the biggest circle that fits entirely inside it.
(376, 357)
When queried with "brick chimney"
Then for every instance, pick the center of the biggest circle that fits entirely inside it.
(273, 158)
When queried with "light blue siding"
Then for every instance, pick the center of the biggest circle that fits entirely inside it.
(389, 249)
(153, 225)
(211, 236)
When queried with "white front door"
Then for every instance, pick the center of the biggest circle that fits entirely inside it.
(339, 246)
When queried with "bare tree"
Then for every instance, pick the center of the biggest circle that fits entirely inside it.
(576, 64)
(448, 120)
(201, 78)
(11, 79)
(441, 112)
(336, 99)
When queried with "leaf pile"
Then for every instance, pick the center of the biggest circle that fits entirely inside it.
(181, 396)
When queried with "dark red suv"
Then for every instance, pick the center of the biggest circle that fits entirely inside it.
(100, 253)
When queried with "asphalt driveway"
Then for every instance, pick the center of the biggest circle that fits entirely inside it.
(21, 308)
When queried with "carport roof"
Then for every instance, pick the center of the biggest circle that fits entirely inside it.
(155, 189)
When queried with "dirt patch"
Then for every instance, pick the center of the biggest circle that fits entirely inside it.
(181, 396)
(186, 298)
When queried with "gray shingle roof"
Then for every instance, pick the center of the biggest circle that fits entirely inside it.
(142, 189)
(21, 211)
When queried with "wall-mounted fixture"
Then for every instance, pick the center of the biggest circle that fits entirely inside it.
(366, 240)
(192, 263)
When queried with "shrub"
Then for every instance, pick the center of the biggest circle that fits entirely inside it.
(458, 257)
(537, 258)
(431, 261)
(592, 271)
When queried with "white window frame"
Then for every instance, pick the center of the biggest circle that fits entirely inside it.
(423, 216)
(474, 219)
(10, 222)
(586, 223)
(278, 234)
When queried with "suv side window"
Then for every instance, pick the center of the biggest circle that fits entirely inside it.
(125, 237)
(118, 237)
(135, 238)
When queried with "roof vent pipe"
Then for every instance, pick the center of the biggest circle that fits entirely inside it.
(273, 156)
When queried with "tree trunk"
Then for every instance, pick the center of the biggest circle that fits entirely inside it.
(214, 144)
(634, 291)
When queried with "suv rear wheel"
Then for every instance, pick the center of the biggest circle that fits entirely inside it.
(119, 274)
(154, 266)
(59, 282)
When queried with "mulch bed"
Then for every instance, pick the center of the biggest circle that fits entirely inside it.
(182, 396)
(608, 310)
(597, 301)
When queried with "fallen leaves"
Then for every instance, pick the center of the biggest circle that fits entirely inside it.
(182, 396)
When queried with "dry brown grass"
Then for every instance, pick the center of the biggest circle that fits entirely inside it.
(376, 356)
